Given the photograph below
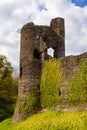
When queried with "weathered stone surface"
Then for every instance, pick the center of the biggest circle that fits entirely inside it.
(69, 66)
(35, 40)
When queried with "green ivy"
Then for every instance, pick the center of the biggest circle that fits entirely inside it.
(50, 83)
(77, 87)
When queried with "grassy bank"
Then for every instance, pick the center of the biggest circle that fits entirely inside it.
(56, 120)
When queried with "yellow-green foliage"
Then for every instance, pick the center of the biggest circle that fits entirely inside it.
(78, 86)
(57, 120)
(31, 102)
(50, 83)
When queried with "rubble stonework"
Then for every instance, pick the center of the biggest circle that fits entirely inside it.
(35, 41)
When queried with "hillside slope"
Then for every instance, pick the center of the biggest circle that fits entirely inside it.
(50, 120)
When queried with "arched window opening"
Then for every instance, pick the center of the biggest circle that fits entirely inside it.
(36, 54)
(50, 52)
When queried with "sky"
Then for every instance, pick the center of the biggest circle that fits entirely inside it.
(80, 3)
(15, 13)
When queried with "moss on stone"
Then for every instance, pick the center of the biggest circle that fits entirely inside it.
(31, 102)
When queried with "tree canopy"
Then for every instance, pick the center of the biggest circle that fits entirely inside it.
(8, 88)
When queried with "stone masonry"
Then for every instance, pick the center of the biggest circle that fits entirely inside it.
(35, 41)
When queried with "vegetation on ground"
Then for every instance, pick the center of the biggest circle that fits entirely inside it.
(50, 120)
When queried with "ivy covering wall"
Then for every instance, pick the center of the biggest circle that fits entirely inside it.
(31, 102)
(50, 93)
(50, 83)
(77, 87)
(52, 77)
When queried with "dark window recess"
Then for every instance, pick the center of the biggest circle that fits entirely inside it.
(36, 54)
(21, 71)
(59, 92)
(44, 38)
(39, 87)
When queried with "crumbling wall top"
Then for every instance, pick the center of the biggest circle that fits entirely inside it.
(28, 25)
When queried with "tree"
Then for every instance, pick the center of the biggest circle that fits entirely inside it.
(8, 88)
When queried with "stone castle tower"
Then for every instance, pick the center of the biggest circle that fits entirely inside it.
(35, 41)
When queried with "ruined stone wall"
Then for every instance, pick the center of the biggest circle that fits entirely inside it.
(59, 28)
(35, 40)
(69, 66)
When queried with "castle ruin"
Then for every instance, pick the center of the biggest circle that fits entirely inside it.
(35, 41)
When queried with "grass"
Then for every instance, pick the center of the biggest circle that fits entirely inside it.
(50, 120)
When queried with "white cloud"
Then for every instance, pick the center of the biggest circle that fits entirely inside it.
(15, 13)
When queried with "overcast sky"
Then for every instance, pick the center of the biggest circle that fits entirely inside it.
(15, 13)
